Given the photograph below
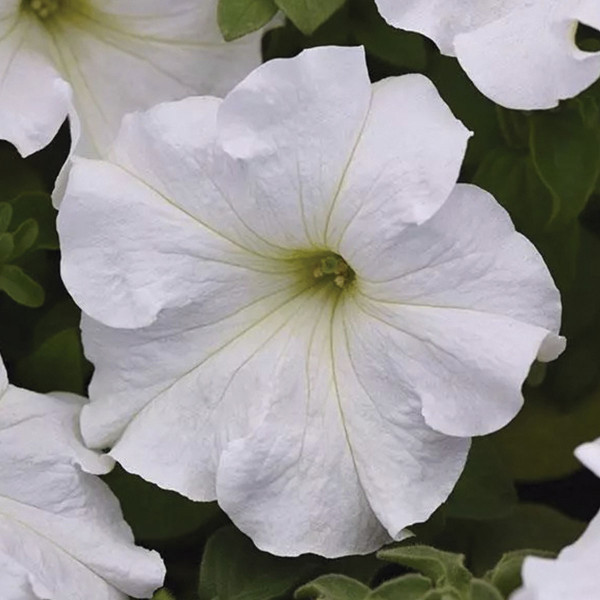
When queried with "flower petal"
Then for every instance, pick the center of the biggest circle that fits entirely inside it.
(204, 377)
(528, 59)
(131, 248)
(173, 49)
(469, 305)
(442, 20)
(338, 444)
(60, 525)
(291, 126)
(403, 168)
(28, 120)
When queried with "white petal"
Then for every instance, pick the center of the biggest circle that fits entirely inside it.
(528, 59)
(573, 574)
(170, 50)
(191, 372)
(131, 248)
(34, 99)
(589, 455)
(469, 305)
(292, 483)
(16, 584)
(442, 20)
(59, 525)
(339, 443)
(292, 126)
(403, 168)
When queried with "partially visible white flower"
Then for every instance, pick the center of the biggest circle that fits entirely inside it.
(304, 317)
(574, 574)
(62, 534)
(107, 58)
(520, 53)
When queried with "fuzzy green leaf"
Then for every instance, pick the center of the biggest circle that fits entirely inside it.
(333, 587)
(506, 575)
(483, 590)
(444, 569)
(407, 587)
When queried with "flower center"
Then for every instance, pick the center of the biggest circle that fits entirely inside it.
(334, 268)
(43, 9)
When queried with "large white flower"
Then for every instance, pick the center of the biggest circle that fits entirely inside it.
(520, 53)
(303, 316)
(62, 534)
(107, 58)
(574, 574)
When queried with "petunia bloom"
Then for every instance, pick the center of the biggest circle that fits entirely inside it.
(520, 53)
(106, 58)
(62, 534)
(294, 309)
(574, 573)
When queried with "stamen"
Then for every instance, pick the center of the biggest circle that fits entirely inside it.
(335, 268)
(44, 8)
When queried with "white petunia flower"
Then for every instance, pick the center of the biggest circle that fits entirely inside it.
(107, 58)
(303, 316)
(520, 53)
(62, 534)
(574, 574)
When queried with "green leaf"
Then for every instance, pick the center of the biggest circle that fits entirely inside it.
(506, 575)
(24, 237)
(6, 213)
(7, 246)
(57, 363)
(483, 590)
(443, 568)
(530, 526)
(403, 49)
(163, 594)
(511, 178)
(485, 489)
(538, 444)
(308, 15)
(407, 587)
(234, 569)
(333, 587)
(20, 287)
(237, 18)
(156, 514)
(566, 153)
(38, 206)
